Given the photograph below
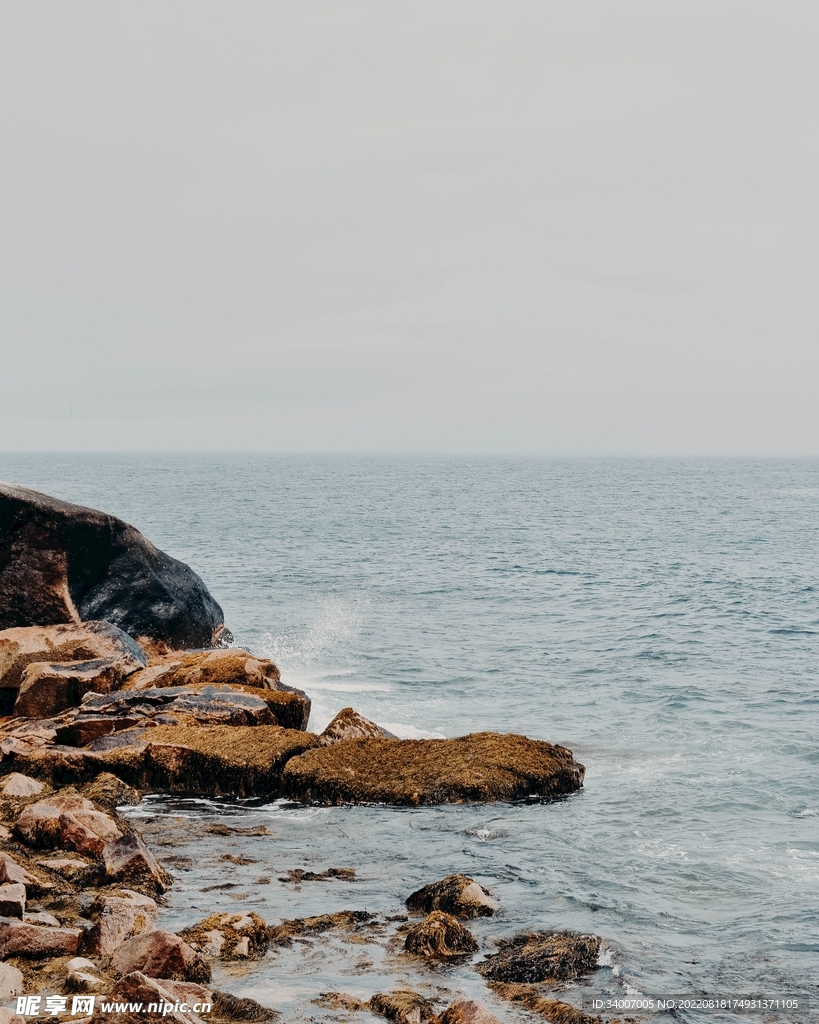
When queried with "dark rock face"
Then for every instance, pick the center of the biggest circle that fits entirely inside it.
(64, 563)
(542, 956)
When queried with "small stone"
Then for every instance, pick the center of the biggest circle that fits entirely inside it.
(20, 785)
(84, 981)
(160, 954)
(80, 963)
(350, 725)
(12, 900)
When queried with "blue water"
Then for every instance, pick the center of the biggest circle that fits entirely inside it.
(660, 618)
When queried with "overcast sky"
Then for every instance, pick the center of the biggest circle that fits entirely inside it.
(558, 226)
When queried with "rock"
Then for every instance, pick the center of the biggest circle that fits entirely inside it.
(231, 1008)
(213, 761)
(20, 785)
(150, 992)
(440, 934)
(118, 918)
(109, 792)
(350, 921)
(349, 725)
(542, 956)
(50, 645)
(230, 936)
(80, 963)
(455, 894)
(298, 876)
(64, 563)
(10, 1017)
(48, 689)
(467, 1011)
(551, 1009)
(36, 941)
(160, 954)
(194, 668)
(128, 859)
(403, 1006)
(340, 1001)
(11, 871)
(85, 981)
(480, 767)
(41, 917)
(68, 821)
(71, 868)
(11, 982)
(13, 900)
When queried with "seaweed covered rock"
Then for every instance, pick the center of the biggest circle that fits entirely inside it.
(402, 1006)
(230, 936)
(554, 1010)
(440, 934)
(467, 1011)
(64, 563)
(459, 895)
(481, 767)
(542, 956)
(349, 725)
(192, 668)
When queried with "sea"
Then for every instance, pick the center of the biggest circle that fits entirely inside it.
(658, 617)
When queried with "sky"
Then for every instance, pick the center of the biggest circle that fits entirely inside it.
(557, 227)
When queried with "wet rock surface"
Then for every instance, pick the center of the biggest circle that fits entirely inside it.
(459, 895)
(481, 767)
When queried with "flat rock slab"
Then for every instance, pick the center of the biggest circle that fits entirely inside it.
(479, 768)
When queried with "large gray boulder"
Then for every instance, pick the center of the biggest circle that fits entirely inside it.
(64, 563)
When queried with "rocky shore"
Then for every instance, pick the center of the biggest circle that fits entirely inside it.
(118, 678)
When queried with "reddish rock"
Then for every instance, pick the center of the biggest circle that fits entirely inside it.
(11, 871)
(118, 918)
(467, 1011)
(128, 859)
(136, 987)
(456, 894)
(56, 644)
(440, 934)
(48, 689)
(160, 954)
(349, 725)
(13, 900)
(36, 941)
(69, 822)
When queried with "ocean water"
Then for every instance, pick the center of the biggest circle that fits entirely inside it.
(660, 618)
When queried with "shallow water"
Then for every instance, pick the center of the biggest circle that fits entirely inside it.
(660, 618)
